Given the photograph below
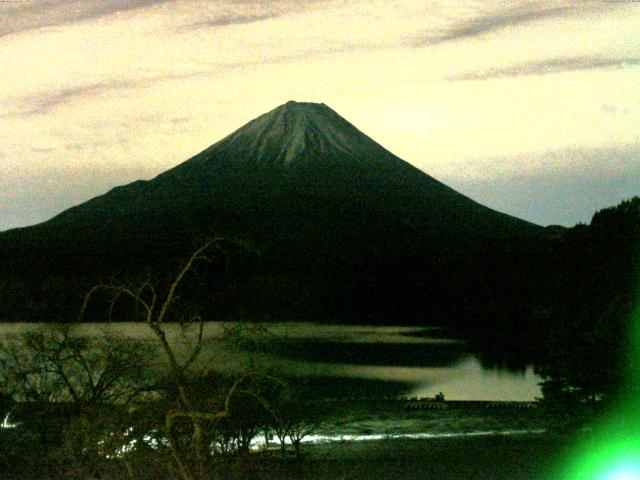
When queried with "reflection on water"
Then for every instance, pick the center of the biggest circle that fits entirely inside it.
(468, 380)
(423, 361)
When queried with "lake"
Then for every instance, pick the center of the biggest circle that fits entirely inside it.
(342, 359)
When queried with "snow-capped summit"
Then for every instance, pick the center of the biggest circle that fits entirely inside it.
(295, 132)
(294, 128)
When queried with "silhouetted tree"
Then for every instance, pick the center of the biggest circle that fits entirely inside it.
(587, 332)
(190, 418)
(64, 383)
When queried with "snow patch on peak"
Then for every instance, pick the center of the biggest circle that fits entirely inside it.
(314, 125)
(294, 128)
(297, 133)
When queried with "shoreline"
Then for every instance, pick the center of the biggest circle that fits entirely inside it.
(530, 456)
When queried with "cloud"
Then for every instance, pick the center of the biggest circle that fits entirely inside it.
(23, 15)
(565, 187)
(42, 149)
(44, 102)
(27, 198)
(227, 20)
(33, 14)
(550, 66)
(492, 22)
(617, 110)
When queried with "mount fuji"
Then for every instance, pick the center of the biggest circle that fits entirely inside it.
(340, 222)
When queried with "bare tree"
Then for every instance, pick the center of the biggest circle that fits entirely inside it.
(156, 308)
(64, 382)
(55, 364)
(296, 419)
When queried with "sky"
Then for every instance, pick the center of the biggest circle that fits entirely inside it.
(529, 107)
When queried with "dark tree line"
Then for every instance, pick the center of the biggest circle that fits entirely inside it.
(589, 325)
(568, 307)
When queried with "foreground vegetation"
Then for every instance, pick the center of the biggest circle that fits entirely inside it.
(100, 407)
(95, 407)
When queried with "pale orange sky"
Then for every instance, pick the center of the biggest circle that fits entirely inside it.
(531, 107)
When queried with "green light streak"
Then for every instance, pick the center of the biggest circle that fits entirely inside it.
(613, 450)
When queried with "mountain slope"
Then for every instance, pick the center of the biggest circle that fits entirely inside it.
(297, 152)
(326, 205)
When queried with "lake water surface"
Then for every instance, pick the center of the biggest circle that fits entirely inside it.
(409, 361)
